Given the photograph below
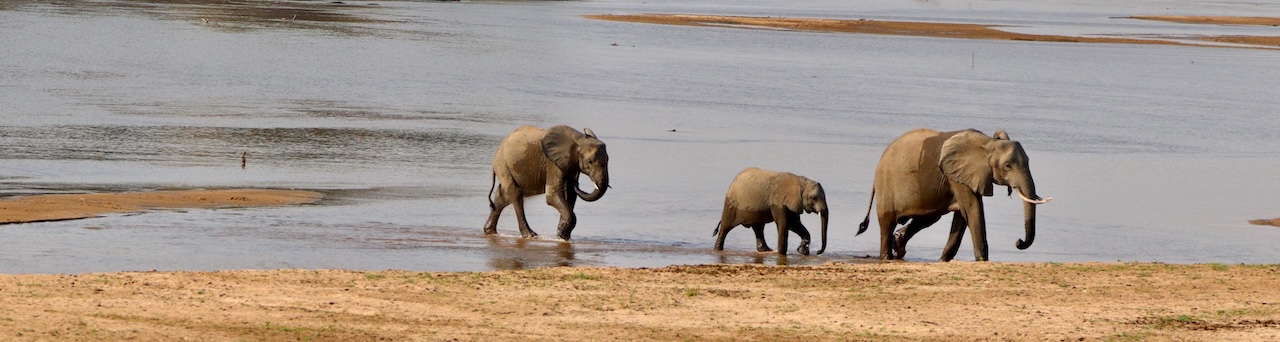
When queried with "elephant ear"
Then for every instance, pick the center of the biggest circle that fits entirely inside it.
(964, 160)
(792, 189)
(1000, 135)
(560, 145)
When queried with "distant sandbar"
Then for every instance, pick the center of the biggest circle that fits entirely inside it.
(26, 209)
(1266, 222)
(1212, 20)
(919, 29)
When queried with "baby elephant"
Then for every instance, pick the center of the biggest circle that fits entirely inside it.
(758, 196)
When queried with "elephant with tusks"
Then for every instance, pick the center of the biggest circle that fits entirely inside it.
(925, 174)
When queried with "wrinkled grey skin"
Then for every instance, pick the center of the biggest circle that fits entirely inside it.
(758, 196)
(925, 174)
(532, 161)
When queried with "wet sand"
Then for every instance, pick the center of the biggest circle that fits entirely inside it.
(905, 28)
(849, 302)
(26, 209)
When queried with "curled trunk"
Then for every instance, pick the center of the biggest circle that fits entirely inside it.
(1029, 202)
(594, 195)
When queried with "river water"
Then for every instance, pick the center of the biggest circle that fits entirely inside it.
(394, 109)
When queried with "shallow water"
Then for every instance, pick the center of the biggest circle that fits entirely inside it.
(1152, 153)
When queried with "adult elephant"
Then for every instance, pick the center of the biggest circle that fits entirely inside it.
(925, 174)
(532, 161)
(758, 196)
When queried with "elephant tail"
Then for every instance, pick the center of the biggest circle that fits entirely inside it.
(493, 182)
(866, 221)
(717, 231)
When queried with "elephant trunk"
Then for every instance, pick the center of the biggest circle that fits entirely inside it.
(1029, 215)
(824, 230)
(1029, 202)
(601, 186)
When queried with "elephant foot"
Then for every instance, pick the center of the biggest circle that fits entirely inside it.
(763, 249)
(491, 227)
(899, 245)
(564, 233)
(565, 228)
(804, 248)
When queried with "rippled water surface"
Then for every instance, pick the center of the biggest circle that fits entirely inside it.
(394, 109)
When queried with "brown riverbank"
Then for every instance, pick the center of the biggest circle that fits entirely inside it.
(894, 301)
(919, 29)
(24, 209)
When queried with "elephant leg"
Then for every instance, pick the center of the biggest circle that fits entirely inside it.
(905, 233)
(978, 228)
(761, 245)
(958, 224)
(887, 221)
(799, 228)
(780, 217)
(571, 197)
(568, 219)
(499, 203)
(525, 232)
(726, 224)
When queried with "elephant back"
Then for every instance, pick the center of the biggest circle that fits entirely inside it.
(519, 157)
(751, 189)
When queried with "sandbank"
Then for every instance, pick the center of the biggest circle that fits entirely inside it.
(919, 29)
(1266, 222)
(26, 209)
(1212, 20)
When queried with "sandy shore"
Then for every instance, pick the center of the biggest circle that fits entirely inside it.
(891, 301)
(25, 209)
(924, 29)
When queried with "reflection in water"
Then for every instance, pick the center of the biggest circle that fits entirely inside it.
(565, 252)
(217, 144)
(232, 15)
(509, 253)
(758, 258)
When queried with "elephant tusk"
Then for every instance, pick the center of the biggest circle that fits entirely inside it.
(1032, 201)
